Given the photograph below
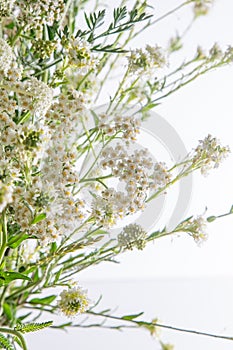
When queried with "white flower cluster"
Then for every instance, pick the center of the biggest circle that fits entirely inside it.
(209, 154)
(6, 192)
(29, 252)
(6, 56)
(73, 302)
(66, 113)
(33, 14)
(80, 55)
(145, 61)
(134, 171)
(160, 176)
(196, 227)
(89, 87)
(44, 145)
(129, 127)
(133, 235)
(49, 194)
(32, 95)
(52, 192)
(36, 96)
(6, 7)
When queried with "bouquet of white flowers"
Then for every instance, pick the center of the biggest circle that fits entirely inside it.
(70, 171)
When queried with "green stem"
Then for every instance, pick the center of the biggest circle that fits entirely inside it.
(143, 323)
(23, 289)
(149, 24)
(196, 70)
(3, 236)
(16, 334)
(47, 67)
(17, 35)
(118, 91)
(88, 138)
(2, 298)
(69, 2)
(96, 178)
(97, 157)
(106, 58)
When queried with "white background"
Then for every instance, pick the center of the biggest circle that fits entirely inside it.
(182, 284)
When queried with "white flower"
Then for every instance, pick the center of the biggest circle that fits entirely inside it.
(33, 14)
(6, 7)
(80, 55)
(133, 171)
(160, 176)
(209, 154)
(104, 211)
(46, 231)
(6, 192)
(133, 235)
(146, 60)
(89, 87)
(73, 302)
(30, 252)
(127, 126)
(41, 94)
(201, 7)
(195, 227)
(6, 56)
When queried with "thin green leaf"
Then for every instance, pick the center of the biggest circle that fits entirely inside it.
(43, 301)
(15, 241)
(38, 218)
(7, 276)
(7, 311)
(211, 218)
(94, 20)
(119, 14)
(132, 317)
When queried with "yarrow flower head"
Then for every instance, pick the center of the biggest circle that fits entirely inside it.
(40, 93)
(209, 154)
(133, 235)
(146, 60)
(128, 126)
(6, 56)
(6, 192)
(73, 302)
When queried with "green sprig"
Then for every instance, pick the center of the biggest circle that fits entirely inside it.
(5, 343)
(32, 327)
